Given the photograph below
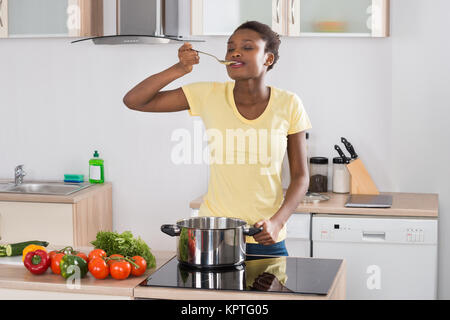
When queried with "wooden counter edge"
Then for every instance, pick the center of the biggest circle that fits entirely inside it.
(327, 208)
(53, 283)
(338, 288)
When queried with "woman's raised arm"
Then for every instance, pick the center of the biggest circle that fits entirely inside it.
(147, 95)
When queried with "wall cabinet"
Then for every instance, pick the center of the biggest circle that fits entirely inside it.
(51, 18)
(74, 222)
(218, 17)
(367, 18)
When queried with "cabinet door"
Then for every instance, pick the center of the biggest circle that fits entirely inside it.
(55, 18)
(218, 17)
(23, 221)
(3, 18)
(369, 18)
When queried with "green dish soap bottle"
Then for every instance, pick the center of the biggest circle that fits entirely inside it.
(96, 169)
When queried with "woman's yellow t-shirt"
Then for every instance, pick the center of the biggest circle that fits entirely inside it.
(245, 156)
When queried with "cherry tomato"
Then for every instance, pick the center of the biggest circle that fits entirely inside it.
(96, 253)
(55, 263)
(120, 270)
(142, 266)
(83, 256)
(98, 268)
(110, 262)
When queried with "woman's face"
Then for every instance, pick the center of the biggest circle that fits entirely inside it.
(247, 47)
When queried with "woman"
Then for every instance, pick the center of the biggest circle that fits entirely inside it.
(244, 183)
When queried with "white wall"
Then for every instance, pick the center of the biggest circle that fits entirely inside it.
(421, 109)
(59, 102)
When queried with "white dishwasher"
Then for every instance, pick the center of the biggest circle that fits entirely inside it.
(387, 258)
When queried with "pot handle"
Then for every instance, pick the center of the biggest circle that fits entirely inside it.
(251, 231)
(171, 229)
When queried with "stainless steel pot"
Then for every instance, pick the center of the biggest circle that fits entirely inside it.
(208, 242)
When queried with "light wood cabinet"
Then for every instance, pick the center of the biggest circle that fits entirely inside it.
(74, 223)
(320, 18)
(51, 18)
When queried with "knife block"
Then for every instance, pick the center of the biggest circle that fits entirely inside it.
(360, 180)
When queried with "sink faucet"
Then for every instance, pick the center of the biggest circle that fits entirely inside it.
(19, 173)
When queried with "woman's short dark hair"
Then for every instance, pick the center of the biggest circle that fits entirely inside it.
(271, 38)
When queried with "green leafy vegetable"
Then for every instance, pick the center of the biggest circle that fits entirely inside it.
(124, 244)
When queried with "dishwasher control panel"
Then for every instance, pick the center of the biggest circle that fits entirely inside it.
(374, 229)
(414, 235)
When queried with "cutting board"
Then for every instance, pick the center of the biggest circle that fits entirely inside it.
(12, 260)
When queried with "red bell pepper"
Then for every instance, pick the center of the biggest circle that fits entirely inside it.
(37, 262)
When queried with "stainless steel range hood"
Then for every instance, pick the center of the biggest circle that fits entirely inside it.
(149, 22)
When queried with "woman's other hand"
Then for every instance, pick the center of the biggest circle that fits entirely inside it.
(270, 232)
(188, 57)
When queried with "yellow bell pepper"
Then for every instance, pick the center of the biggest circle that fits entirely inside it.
(30, 248)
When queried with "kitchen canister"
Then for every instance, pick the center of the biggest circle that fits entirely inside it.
(341, 176)
(318, 177)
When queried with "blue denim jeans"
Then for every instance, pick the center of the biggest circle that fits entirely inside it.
(276, 249)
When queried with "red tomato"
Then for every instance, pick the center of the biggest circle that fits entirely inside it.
(120, 270)
(96, 253)
(98, 268)
(191, 242)
(110, 262)
(55, 263)
(83, 256)
(142, 266)
(51, 254)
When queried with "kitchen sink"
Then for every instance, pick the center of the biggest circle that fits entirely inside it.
(51, 188)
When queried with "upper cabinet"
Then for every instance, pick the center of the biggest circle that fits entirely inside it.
(219, 17)
(352, 18)
(51, 18)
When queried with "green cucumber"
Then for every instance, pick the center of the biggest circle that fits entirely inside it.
(16, 249)
(2, 251)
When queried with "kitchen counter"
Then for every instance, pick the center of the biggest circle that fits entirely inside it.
(71, 198)
(403, 204)
(16, 282)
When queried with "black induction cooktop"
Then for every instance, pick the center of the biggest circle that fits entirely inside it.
(257, 273)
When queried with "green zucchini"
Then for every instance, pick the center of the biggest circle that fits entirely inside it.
(16, 249)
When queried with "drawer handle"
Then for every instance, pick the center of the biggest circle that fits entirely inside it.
(278, 11)
(292, 12)
(374, 235)
(1, 22)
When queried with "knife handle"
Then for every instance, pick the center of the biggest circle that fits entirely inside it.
(349, 148)
(339, 150)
